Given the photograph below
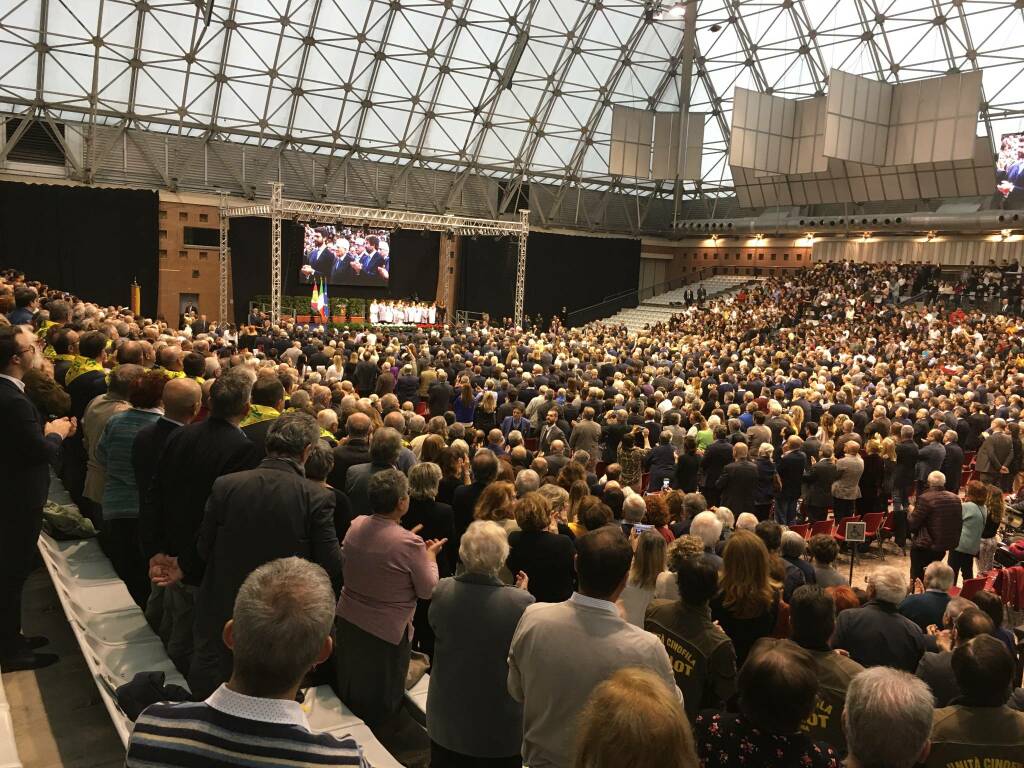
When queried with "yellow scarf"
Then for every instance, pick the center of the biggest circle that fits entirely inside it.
(79, 366)
(64, 358)
(258, 413)
(171, 374)
(49, 352)
(327, 433)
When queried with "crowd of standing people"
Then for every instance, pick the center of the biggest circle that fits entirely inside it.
(585, 530)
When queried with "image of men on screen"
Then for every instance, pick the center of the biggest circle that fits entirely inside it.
(1010, 167)
(346, 257)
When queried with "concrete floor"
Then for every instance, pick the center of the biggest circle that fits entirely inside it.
(60, 720)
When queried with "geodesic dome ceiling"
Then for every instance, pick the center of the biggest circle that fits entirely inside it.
(509, 88)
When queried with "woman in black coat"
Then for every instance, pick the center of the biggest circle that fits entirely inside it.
(438, 523)
(871, 480)
(545, 557)
(688, 466)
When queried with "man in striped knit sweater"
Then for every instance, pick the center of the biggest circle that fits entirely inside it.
(280, 629)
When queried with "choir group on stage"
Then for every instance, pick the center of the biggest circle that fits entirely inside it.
(402, 313)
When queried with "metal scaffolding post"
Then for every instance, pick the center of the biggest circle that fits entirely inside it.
(223, 267)
(275, 252)
(524, 231)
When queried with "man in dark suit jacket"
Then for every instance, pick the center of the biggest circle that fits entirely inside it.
(903, 481)
(818, 481)
(660, 463)
(365, 375)
(251, 518)
(716, 457)
(181, 399)
(738, 481)
(319, 260)
(550, 431)
(439, 396)
(515, 422)
(791, 473)
(27, 448)
(953, 464)
(194, 456)
(354, 449)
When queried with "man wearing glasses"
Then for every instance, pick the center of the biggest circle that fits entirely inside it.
(27, 447)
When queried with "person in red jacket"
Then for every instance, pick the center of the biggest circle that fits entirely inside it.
(935, 524)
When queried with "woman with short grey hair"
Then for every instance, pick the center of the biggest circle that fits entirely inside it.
(386, 569)
(471, 719)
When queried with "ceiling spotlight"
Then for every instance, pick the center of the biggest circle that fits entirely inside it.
(867, 235)
(931, 236)
(677, 10)
(759, 237)
(658, 14)
(1005, 233)
(714, 238)
(809, 237)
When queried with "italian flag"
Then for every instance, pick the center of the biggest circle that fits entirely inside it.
(314, 301)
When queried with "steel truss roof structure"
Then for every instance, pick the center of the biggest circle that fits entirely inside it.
(280, 207)
(519, 90)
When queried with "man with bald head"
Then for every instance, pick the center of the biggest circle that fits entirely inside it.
(169, 359)
(130, 353)
(406, 458)
(354, 449)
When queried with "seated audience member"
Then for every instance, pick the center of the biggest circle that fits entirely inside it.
(632, 720)
(936, 669)
(702, 654)
(778, 686)
(887, 719)
(471, 719)
(792, 551)
(926, 607)
(280, 628)
(992, 604)
(812, 619)
(562, 651)
(979, 728)
(386, 568)
(748, 602)
(824, 552)
(648, 564)
(877, 634)
(544, 556)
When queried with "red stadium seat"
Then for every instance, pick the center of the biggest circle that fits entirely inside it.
(972, 587)
(421, 408)
(872, 527)
(822, 527)
(804, 529)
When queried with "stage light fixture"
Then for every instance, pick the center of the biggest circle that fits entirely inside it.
(1005, 234)
(759, 237)
(931, 236)
(866, 235)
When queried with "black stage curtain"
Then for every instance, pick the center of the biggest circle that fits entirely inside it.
(561, 271)
(414, 264)
(88, 241)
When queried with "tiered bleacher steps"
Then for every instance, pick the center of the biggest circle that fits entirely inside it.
(658, 309)
(117, 643)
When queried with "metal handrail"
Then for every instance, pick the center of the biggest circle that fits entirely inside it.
(621, 299)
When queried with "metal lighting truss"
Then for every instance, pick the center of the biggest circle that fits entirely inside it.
(303, 210)
(475, 92)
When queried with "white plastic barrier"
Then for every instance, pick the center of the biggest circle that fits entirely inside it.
(417, 700)
(117, 642)
(8, 747)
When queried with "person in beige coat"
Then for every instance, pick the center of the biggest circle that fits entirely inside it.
(846, 488)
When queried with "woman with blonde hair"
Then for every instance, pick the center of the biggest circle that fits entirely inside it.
(633, 719)
(649, 554)
(748, 603)
(995, 508)
(486, 417)
(495, 503)
(578, 491)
